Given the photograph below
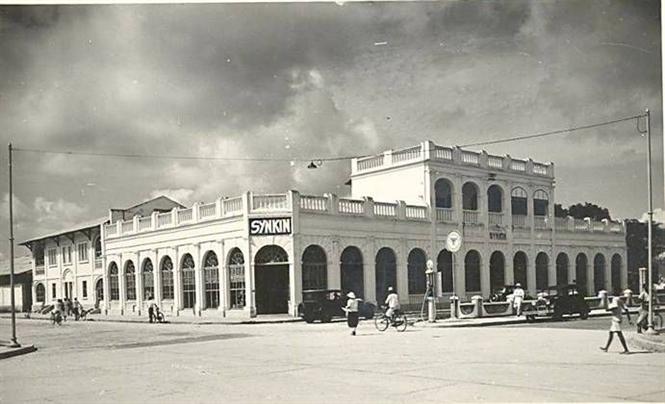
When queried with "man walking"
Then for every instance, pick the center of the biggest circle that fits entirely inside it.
(518, 298)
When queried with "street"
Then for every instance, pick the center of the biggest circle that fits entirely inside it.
(139, 362)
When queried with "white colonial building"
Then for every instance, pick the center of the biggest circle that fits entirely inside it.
(255, 254)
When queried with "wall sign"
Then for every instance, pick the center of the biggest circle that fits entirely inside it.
(497, 236)
(271, 226)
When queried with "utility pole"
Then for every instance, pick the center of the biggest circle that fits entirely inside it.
(649, 223)
(13, 343)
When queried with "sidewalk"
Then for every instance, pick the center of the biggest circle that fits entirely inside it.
(653, 343)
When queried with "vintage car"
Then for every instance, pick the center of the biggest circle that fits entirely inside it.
(555, 301)
(325, 304)
(503, 294)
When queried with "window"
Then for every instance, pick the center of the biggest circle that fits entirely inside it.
(167, 278)
(314, 268)
(83, 252)
(113, 282)
(84, 289)
(52, 261)
(98, 248)
(237, 279)
(518, 199)
(53, 291)
(130, 281)
(188, 282)
(40, 292)
(211, 277)
(67, 255)
(148, 280)
(39, 256)
(540, 203)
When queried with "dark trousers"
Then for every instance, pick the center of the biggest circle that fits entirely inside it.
(621, 338)
(151, 314)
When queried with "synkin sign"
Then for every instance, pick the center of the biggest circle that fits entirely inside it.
(269, 226)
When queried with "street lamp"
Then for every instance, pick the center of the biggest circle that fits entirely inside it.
(429, 293)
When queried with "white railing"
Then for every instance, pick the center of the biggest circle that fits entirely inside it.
(520, 221)
(598, 226)
(444, 215)
(232, 205)
(580, 224)
(164, 219)
(185, 215)
(616, 228)
(443, 153)
(207, 210)
(145, 223)
(495, 161)
(270, 202)
(540, 222)
(127, 227)
(416, 212)
(469, 157)
(495, 218)
(370, 162)
(385, 209)
(316, 203)
(561, 223)
(471, 216)
(539, 169)
(111, 229)
(411, 153)
(351, 206)
(518, 165)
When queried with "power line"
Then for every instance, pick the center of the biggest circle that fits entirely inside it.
(315, 159)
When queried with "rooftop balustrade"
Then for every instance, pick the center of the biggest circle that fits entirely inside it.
(430, 151)
(330, 204)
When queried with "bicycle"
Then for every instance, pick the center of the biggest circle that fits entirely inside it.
(398, 320)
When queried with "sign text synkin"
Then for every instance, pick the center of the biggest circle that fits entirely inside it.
(270, 226)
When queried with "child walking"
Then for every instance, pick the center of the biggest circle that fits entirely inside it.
(615, 328)
(352, 312)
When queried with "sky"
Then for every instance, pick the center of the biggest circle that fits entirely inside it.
(305, 81)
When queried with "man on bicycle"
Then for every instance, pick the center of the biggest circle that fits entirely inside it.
(392, 301)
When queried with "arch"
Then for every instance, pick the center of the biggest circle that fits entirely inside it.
(114, 285)
(351, 266)
(540, 203)
(147, 276)
(187, 267)
(314, 268)
(542, 277)
(385, 272)
(166, 272)
(40, 293)
(581, 273)
(444, 264)
(520, 268)
(472, 271)
(416, 265)
(470, 196)
(497, 271)
(271, 274)
(562, 269)
(211, 280)
(518, 201)
(615, 265)
(130, 280)
(443, 191)
(99, 291)
(495, 198)
(598, 273)
(236, 270)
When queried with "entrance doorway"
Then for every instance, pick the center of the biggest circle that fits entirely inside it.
(99, 292)
(271, 278)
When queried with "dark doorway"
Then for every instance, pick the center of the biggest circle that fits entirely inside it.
(352, 272)
(385, 273)
(271, 272)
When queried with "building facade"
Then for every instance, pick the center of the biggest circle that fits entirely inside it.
(255, 254)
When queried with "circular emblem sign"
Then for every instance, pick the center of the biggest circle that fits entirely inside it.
(454, 241)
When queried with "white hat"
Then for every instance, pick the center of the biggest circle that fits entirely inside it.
(615, 303)
(390, 288)
(351, 295)
(518, 285)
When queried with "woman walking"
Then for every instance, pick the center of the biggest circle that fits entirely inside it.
(352, 312)
(616, 307)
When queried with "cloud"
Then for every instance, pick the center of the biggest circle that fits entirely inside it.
(658, 216)
(182, 195)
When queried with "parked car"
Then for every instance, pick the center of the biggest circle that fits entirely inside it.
(502, 294)
(555, 301)
(325, 304)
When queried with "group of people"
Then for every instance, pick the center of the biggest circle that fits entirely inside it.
(66, 307)
(351, 309)
(154, 314)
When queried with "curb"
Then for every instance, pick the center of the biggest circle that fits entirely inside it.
(177, 321)
(648, 343)
(11, 352)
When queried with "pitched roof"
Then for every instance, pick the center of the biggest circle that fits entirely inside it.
(21, 265)
(154, 199)
(80, 226)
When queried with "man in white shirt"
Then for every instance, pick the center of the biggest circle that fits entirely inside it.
(392, 301)
(518, 297)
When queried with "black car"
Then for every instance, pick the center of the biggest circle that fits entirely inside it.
(556, 301)
(324, 304)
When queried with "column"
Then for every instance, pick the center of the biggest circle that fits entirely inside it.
(369, 256)
(402, 274)
(139, 283)
(157, 277)
(198, 280)
(531, 270)
(121, 285)
(177, 282)
(221, 273)
(458, 269)
(485, 287)
(334, 265)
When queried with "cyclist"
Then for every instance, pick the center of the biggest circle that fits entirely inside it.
(392, 301)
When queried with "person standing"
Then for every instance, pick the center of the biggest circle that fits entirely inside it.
(351, 310)
(518, 298)
(644, 309)
(77, 309)
(616, 307)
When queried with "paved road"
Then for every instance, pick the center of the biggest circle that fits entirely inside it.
(121, 362)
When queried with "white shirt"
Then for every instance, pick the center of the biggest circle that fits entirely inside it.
(518, 294)
(392, 301)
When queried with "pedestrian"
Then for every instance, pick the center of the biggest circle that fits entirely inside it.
(352, 312)
(70, 306)
(151, 312)
(644, 309)
(616, 307)
(63, 308)
(518, 297)
(77, 309)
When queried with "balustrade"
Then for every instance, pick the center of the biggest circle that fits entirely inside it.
(443, 153)
(445, 215)
(367, 163)
(580, 224)
(495, 161)
(270, 202)
(384, 209)
(145, 223)
(185, 215)
(416, 212)
(411, 153)
(520, 221)
(207, 210)
(232, 205)
(561, 224)
(496, 218)
(127, 227)
(350, 206)
(471, 216)
(518, 165)
(469, 157)
(540, 222)
(163, 219)
(539, 169)
(316, 203)
(111, 229)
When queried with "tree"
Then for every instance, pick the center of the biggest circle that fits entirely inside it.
(637, 242)
(560, 211)
(595, 212)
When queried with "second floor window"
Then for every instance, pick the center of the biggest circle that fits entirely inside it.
(67, 254)
(52, 261)
(83, 252)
